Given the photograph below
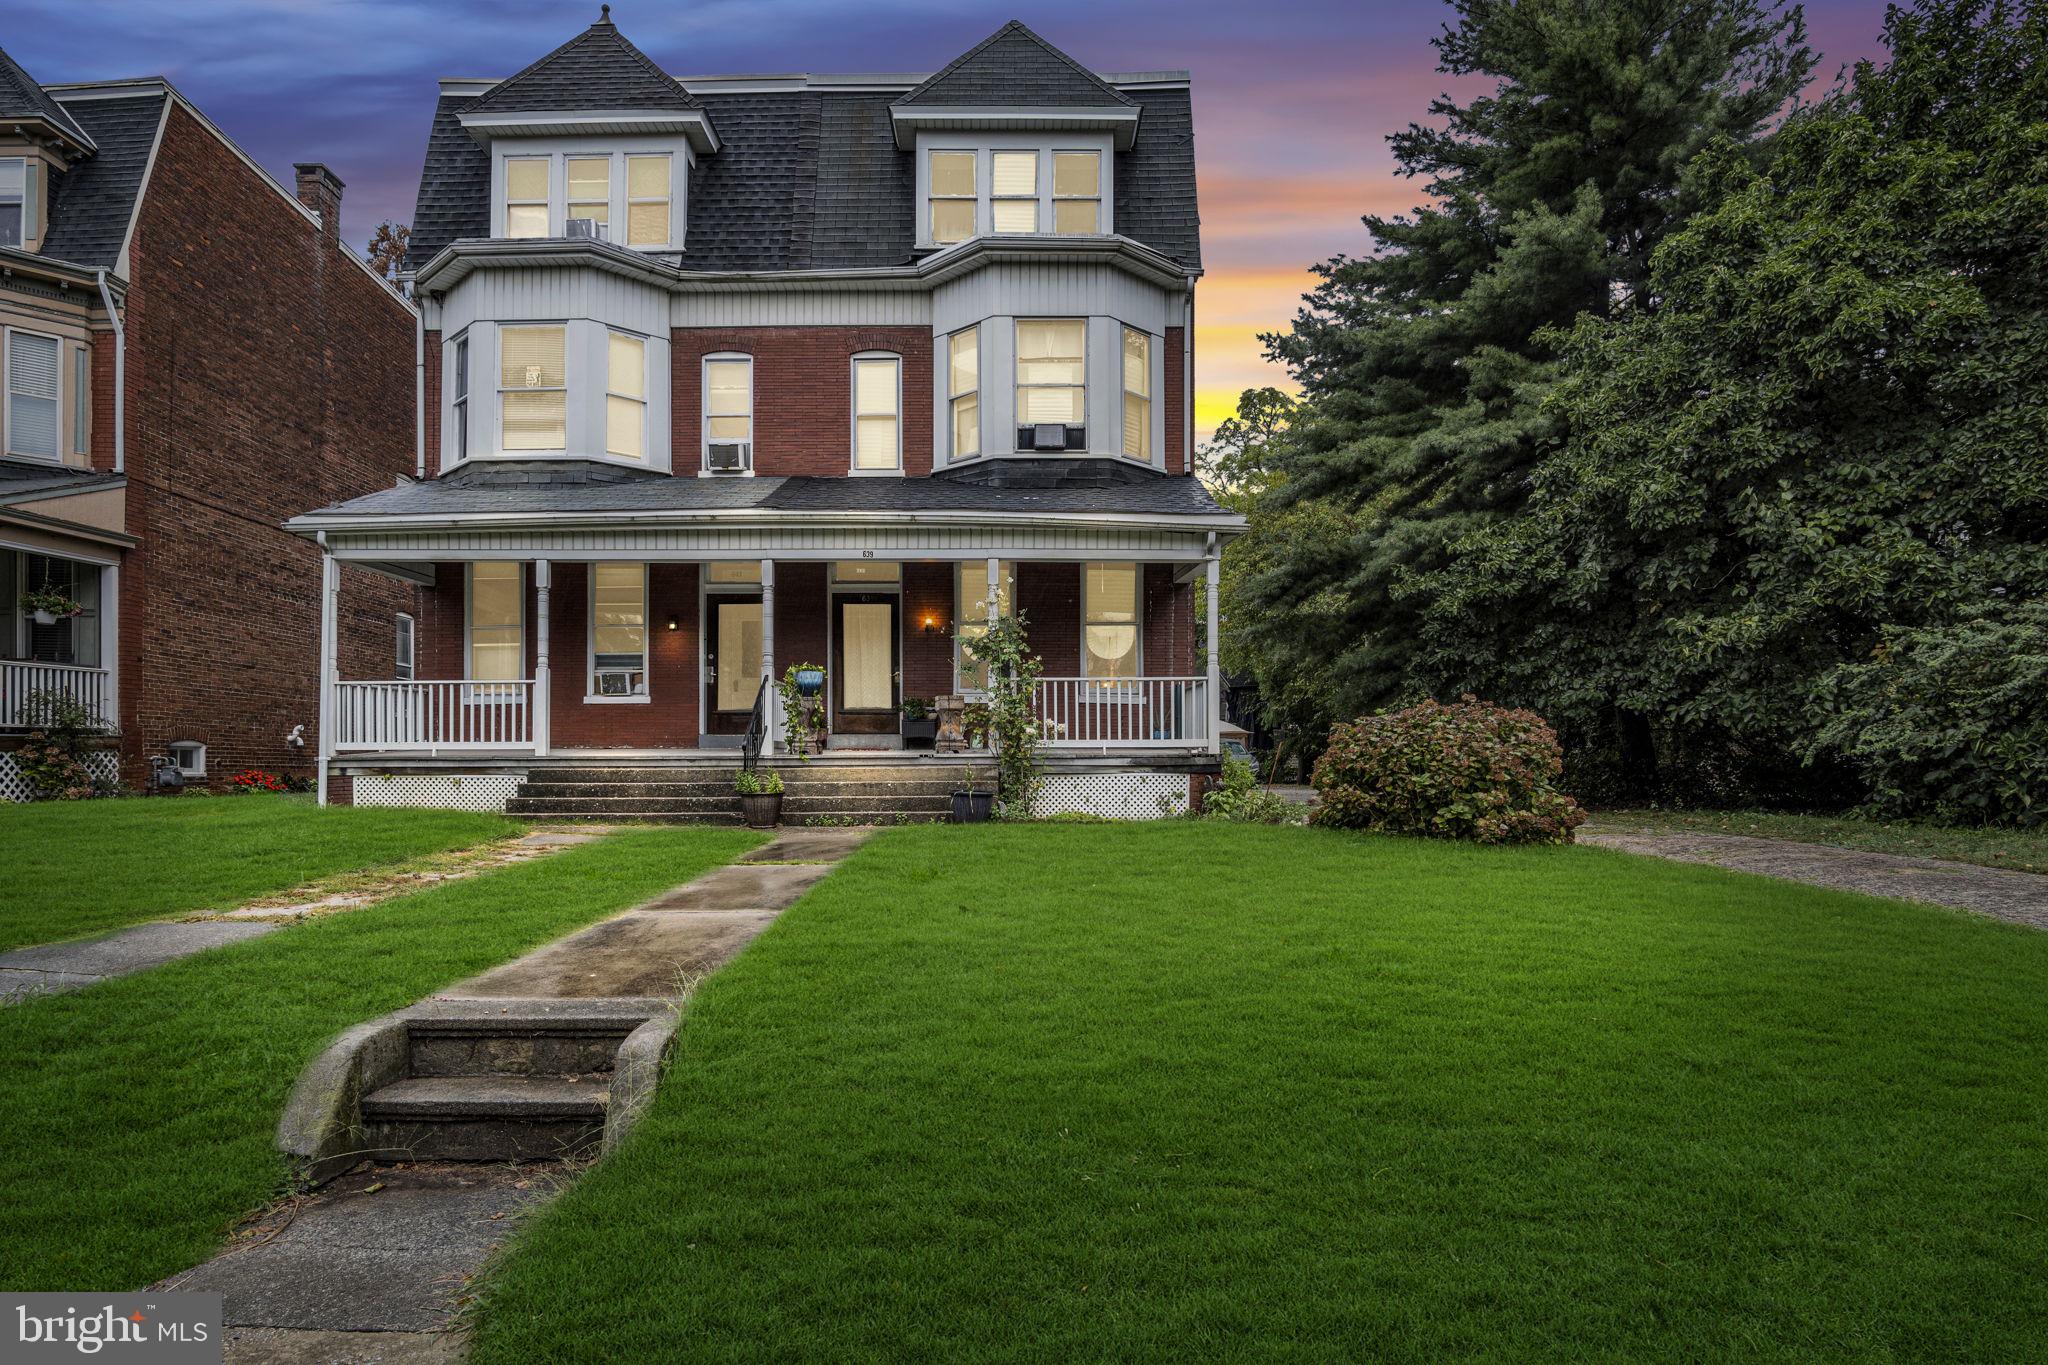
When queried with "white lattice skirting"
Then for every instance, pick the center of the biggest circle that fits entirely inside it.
(103, 764)
(1114, 796)
(445, 791)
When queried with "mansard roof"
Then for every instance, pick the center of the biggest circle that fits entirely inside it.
(23, 100)
(93, 201)
(597, 69)
(1015, 67)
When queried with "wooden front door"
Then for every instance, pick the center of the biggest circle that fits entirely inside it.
(867, 664)
(732, 661)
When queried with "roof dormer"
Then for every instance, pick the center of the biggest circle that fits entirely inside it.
(597, 83)
(38, 139)
(1015, 81)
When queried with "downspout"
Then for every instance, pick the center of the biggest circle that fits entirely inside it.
(1187, 383)
(120, 374)
(419, 390)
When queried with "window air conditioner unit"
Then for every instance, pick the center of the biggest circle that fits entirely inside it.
(618, 682)
(587, 227)
(1049, 436)
(730, 457)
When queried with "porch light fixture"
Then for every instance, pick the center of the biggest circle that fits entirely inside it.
(931, 624)
(671, 623)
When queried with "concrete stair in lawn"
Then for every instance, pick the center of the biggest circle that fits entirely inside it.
(833, 792)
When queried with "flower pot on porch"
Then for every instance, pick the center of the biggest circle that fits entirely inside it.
(973, 808)
(762, 810)
(920, 734)
(45, 618)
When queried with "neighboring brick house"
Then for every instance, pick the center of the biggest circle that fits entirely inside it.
(190, 355)
(726, 374)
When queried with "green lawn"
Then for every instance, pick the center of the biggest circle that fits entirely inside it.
(81, 867)
(1184, 1091)
(138, 1115)
(2022, 850)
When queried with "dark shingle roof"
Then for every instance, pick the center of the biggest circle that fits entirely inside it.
(1155, 180)
(455, 186)
(91, 203)
(1014, 66)
(22, 98)
(597, 69)
(31, 480)
(487, 492)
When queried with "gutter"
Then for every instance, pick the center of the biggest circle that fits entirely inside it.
(120, 375)
(419, 393)
(315, 524)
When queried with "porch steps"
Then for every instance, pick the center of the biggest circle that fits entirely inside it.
(867, 794)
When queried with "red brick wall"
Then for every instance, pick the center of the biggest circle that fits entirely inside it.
(1049, 595)
(1176, 414)
(668, 719)
(1169, 624)
(927, 658)
(800, 606)
(267, 375)
(102, 400)
(433, 390)
(803, 393)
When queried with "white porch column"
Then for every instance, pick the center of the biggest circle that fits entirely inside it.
(543, 689)
(330, 603)
(768, 742)
(1213, 645)
(110, 644)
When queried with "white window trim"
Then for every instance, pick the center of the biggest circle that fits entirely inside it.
(498, 385)
(953, 453)
(461, 431)
(925, 235)
(505, 203)
(569, 206)
(81, 400)
(1137, 569)
(558, 151)
(1055, 198)
(1017, 409)
(854, 414)
(1153, 349)
(590, 697)
(469, 626)
(626, 168)
(704, 469)
(405, 647)
(646, 441)
(984, 145)
(56, 456)
(171, 751)
(1037, 197)
(28, 197)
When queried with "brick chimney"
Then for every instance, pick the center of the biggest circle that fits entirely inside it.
(320, 190)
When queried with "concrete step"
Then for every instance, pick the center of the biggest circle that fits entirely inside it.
(789, 821)
(486, 1118)
(505, 1044)
(722, 789)
(793, 772)
(793, 804)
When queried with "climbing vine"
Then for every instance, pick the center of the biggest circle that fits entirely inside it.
(1005, 646)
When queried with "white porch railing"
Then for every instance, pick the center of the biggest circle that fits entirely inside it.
(18, 680)
(433, 714)
(1122, 712)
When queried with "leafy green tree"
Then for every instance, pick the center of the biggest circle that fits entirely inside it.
(1826, 445)
(1424, 365)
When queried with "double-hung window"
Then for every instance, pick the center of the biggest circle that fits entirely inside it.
(971, 616)
(648, 198)
(526, 196)
(17, 195)
(877, 407)
(1076, 192)
(32, 380)
(1109, 613)
(618, 630)
(402, 656)
(963, 391)
(728, 414)
(590, 195)
(953, 196)
(497, 619)
(533, 388)
(1052, 382)
(1013, 191)
(1137, 386)
(625, 399)
(458, 388)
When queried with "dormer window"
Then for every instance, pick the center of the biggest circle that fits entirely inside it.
(584, 190)
(16, 215)
(590, 196)
(1014, 190)
(647, 200)
(1013, 185)
(526, 196)
(1076, 192)
(953, 196)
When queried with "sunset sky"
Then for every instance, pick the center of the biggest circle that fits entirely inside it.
(1293, 98)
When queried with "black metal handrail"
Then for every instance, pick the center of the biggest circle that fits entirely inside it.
(757, 729)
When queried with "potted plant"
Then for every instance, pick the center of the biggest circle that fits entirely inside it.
(972, 807)
(760, 798)
(48, 605)
(920, 726)
(803, 709)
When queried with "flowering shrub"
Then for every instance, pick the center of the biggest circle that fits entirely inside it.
(1468, 770)
(52, 758)
(1240, 798)
(256, 780)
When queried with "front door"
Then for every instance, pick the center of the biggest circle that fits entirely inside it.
(865, 664)
(732, 661)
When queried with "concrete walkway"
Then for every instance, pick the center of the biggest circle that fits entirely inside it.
(375, 1266)
(2019, 897)
(68, 966)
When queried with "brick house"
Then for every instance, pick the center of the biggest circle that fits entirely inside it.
(190, 356)
(728, 374)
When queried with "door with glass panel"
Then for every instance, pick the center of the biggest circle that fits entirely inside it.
(866, 664)
(732, 661)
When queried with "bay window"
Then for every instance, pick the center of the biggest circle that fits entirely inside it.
(625, 399)
(1052, 383)
(963, 391)
(728, 413)
(32, 380)
(877, 404)
(953, 196)
(590, 192)
(1076, 192)
(496, 642)
(533, 388)
(1137, 388)
(1013, 191)
(618, 631)
(458, 387)
(648, 200)
(971, 616)
(1109, 615)
(526, 196)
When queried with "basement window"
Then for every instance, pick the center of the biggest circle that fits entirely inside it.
(188, 756)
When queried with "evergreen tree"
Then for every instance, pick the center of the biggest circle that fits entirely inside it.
(1424, 365)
